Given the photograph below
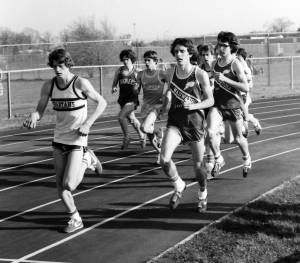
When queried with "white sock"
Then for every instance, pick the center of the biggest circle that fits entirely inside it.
(202, 195)
(76, 215)
(179, 184)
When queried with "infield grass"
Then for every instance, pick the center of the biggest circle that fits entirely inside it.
(266, 230)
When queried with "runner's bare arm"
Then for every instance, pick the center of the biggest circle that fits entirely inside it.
(208, 99)
(32, 119)
(242, 84)
(167, 96)
(114, 88)
(86, 87)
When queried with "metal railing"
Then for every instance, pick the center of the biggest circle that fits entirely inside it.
(21, 88)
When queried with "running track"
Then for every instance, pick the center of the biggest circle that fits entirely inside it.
(125, 210)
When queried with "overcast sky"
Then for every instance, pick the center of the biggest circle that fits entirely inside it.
(150, 19)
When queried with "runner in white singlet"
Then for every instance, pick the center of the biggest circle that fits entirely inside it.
(69, 94)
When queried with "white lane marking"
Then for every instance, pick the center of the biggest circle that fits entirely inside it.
(275, 111)
(37, 149)
(272, 101)
(79, 233)
(272, 106)
(114, 120)
(129, 176)
(44, 178)
(45, 160)
(201, 230)
(30, 261)
(84, 191)
(44, 130)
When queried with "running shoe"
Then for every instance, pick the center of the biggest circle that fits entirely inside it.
(95, 163)
(125, 143)
(73, 225)
(175, 198)
(246, 166)
(257, 128)
(219, 163)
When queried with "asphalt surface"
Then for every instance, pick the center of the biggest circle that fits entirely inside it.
(125, 210)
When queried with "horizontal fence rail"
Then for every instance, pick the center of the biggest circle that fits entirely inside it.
(20, 89)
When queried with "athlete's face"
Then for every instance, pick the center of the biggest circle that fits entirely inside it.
(127, 62)
(181, 55)
(207, 57)
(60, 69)
(223, 48)
(150, 63)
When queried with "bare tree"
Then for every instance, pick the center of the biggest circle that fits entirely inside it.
(281, 24)
(97, 53)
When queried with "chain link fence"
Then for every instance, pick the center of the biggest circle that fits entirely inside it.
(273, 77)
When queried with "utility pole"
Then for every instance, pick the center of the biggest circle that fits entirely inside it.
(136, 42)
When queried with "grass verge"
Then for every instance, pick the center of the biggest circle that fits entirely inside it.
(265, 230)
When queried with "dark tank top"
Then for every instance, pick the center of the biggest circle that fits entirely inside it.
(127, 86)
(185, 89)
(226, 96)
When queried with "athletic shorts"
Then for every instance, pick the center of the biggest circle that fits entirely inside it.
(206, 111)
(65, 148)
(123, 101)
(189, 134)
(147, 108)
(231, 114)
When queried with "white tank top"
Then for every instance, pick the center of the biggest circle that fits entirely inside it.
(70, 105)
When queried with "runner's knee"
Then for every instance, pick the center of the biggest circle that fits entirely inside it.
(239, 138)
(165, 163)
(211, 134)
(146, 128)
(70, 186)
(121, 118)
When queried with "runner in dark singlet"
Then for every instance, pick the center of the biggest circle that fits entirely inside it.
(189, 93)
(126, 79)
(229, 81)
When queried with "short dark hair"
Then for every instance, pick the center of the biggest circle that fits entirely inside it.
(242, 52)
(61, 56)
(184, 42)
(229, 37)
(128, 53)
(151, 54)
(199, 47)
(207, 48)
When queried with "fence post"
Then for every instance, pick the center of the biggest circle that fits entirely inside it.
(8, 95)
(101, 80)
(292, 72)
(269, 61)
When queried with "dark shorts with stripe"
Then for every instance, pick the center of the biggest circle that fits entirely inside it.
(65, 148)
(231, 114)
(189, 133)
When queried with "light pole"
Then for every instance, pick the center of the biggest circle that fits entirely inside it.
(136, 42)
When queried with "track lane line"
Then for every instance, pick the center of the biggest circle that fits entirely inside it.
(81, 232)
(130, 176)
(115, 120)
